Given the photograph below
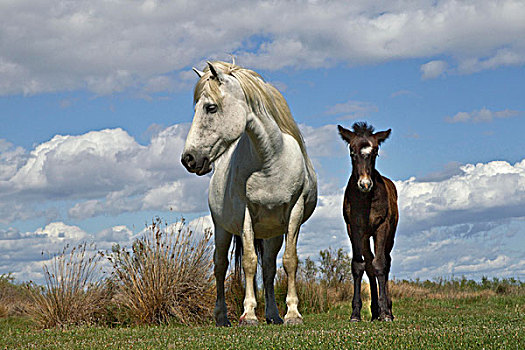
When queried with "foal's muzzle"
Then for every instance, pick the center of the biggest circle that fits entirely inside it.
(365, 184)
(199, 166)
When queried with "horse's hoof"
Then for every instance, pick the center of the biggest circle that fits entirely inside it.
(274, 320)
(293, 321)
(387, 318)
(355, 319)
(243, 321)
(223, 323)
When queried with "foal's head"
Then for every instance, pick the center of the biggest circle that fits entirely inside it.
(364, 146)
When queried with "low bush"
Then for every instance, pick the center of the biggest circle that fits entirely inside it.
(14, 297)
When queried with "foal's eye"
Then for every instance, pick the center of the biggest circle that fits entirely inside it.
(211, 108)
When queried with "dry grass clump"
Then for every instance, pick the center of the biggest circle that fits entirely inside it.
(166, 276)
(14, 298)
(73, 292)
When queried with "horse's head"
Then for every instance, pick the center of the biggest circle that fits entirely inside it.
(364, 146)
(220, 117)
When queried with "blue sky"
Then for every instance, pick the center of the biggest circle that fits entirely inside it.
(96, 101)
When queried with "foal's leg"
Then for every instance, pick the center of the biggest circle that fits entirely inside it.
(249, 264)
(220, 257)
(272, 247)
(380, 267)
(358, 268)
(369, 257)
(389, 246)
(290, 262)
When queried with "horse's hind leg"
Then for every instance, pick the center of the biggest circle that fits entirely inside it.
(369, 257)
(220, 257)
(381, 267)
(290, 262)
(272, 247)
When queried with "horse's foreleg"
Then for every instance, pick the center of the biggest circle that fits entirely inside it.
(271, 249)
(290, 262)
(358, 268)
(381, 267)
(220, 257)
(249, 265)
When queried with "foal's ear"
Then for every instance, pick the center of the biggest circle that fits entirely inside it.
(382, 135)
(346, 134)
(216, 72)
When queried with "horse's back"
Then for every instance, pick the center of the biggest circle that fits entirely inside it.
(392, 198)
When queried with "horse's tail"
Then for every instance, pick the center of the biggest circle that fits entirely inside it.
(259, 250)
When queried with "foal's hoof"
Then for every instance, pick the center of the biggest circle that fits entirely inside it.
(387, 318)
(223, 323)
(293, 321)
(274, 320)
(243, 321)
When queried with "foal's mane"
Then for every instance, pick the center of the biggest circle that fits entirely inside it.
(262, 97)
(363, 129)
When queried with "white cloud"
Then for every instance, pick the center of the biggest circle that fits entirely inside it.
(320, 141)
(482, 115)
(102, 172)
(352, 109)
(433, 69)
(490, 191)
(11, 159)
(111, 46)
(25, 253)
(473, 250)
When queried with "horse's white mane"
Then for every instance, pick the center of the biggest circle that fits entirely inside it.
(263, 98)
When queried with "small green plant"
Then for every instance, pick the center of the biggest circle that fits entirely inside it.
(73, 292)
(335, 267)
(166, 276)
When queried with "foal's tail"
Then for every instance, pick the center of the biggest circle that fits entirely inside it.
(259, 250)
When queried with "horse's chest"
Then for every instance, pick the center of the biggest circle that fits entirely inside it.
(269, 191)
(267, 197)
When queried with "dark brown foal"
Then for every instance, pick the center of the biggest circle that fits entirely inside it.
(369, 210)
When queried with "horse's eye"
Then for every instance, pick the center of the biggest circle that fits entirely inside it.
(212, 108)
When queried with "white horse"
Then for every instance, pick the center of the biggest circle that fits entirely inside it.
(263, 187)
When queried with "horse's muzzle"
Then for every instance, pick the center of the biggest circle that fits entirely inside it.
(200, 166)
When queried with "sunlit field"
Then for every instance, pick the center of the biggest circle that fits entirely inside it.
(482, 322)
(160, 294)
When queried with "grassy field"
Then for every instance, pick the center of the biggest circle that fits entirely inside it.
(478, 322)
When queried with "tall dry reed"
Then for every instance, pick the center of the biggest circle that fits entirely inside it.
(73, 292)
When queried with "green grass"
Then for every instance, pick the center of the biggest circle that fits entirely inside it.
(496, 322)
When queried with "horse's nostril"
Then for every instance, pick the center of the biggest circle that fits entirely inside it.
(188, 161)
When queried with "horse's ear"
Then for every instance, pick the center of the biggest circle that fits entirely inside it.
(382, 135)
(215, 72)
(199, 73)
(346, 134)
